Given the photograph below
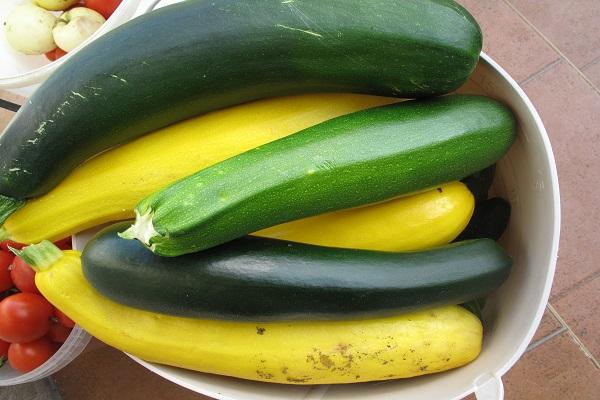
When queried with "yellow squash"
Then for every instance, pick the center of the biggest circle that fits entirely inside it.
(415, 222)
(322, 352)
(107, 187)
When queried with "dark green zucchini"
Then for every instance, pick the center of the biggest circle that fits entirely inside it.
(198, 55)
(480, 182)
(490, 219)
(356, 159)
(265, 279)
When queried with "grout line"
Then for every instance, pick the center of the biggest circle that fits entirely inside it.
(576, 285)
(540, 71)
(528, 22)
(594, 61)
(543, 340)
(582, 346)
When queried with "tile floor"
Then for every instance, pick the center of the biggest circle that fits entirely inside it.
(552, 48)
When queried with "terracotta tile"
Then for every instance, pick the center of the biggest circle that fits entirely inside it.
(592, 71)
(572, 26)
(556, 370)
(570, 109)
(548, 325)
(106, 373)
(578, 309)
(509, 40)
(5, 117)
(9, 96)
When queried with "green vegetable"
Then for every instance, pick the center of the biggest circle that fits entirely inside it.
(480, 182)
(356, 159)
(197, 56)
(489, 220)
(265, 279)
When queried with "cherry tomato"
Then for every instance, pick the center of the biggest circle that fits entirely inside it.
(6, 260)
(25, 357)
(63, 319)
(64, 244)
(24, 317)
(3, 351)
(57, 332)
(23, 276)
(104, 7)
(3, 348)
(55, 54)
(15, 245)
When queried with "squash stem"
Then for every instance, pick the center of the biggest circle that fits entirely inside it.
(39, 256)
(142, 229)
(8, 205)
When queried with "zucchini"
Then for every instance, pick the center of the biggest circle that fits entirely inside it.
(348, 161)
(255, 278)
(292, 352)
(489, 220)
(480, 182)
(206, 55)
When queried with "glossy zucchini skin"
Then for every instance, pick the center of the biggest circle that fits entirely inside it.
(348, 161)
(261, 279)
(197, 56)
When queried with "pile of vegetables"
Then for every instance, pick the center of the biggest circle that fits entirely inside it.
(33, 28)
(31, 329)
(293, 218)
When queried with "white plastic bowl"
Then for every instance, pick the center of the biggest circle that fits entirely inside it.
(19, 70)
(526, 176)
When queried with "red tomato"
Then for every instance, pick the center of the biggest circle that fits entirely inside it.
(23, 276)
(25, 357)
(15, 245)
(55, 54)
(3, 351)
(104, 7)
(63, 319)
(64, 244)
(58, 333)
(6, 259)
(24, 317)
(3, 348)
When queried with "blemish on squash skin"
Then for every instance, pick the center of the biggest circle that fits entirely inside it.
(264, 375)
(326, 361)
(439, 190)
(298, 380)
(260, 331)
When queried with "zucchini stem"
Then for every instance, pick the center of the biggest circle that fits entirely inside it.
(39, 256)
(142, 229)
(8, 205)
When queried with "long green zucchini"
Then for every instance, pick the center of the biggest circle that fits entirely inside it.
(356, 159)
(198, 56)
(266, 279)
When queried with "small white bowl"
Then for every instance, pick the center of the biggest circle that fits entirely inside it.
(19, 70)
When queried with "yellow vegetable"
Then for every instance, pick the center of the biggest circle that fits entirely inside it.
(420, 221)
(107, 187)
(322, 352)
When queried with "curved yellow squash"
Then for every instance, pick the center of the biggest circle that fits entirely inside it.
(415, 222)
(321, 352)
(107, 187)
